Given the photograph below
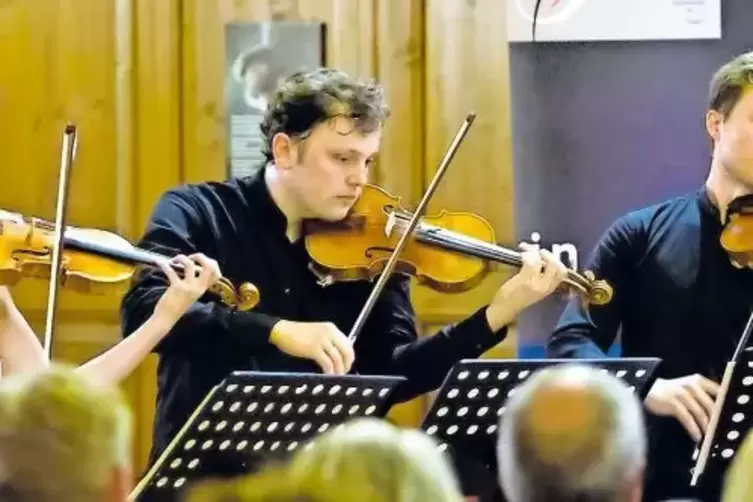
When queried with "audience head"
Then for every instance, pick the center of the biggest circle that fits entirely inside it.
(738, 485)
(64, 438)
(270, 485)
(321, 136)
(572, 433)
(381, 462)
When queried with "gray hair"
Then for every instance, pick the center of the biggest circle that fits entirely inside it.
(571, 432)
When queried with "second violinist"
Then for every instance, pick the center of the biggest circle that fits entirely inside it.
(679, 295)
(321, 132)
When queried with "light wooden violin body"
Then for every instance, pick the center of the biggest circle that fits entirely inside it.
(449, 252)
(737, 234)
(94, 261)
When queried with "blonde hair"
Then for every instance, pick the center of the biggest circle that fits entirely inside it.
(366, 460)
(382, 463)
(738, 486)
(271, 485)
(62, 436)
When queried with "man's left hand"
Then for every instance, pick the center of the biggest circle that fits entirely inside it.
(540, 275)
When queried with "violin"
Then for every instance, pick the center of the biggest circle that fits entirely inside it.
(737, 234)
(93, 261)
(449, 251)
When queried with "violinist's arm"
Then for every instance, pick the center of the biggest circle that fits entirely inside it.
(120, 360)
(114, 365)
(584, 334)
(177, 227)
(20, 349)
(393, 347)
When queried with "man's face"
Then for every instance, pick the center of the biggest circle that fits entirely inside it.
(327, 172)
(733, 139)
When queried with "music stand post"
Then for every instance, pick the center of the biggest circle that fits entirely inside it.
(253, 418)
(731, 428)
(465, 415)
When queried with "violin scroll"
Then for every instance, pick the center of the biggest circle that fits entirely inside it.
(248, 296)
(600, 292)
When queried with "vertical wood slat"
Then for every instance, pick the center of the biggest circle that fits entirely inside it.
(467, 70)
(156, 162)
(57, 70)
(125, 107)
(400, 69)
(158, 90)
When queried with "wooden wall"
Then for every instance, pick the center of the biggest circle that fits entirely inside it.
(143, 81)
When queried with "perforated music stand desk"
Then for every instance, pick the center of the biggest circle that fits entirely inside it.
(466, 412)
(252, 418)
(735, 421)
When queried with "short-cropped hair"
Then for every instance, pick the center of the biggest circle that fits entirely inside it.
(553, 448)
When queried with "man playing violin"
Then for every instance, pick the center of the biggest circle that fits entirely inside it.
(677, 295)
(321, 133)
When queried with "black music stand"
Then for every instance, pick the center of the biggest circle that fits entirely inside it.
(253, 418)
(467, 410)
(731, 428)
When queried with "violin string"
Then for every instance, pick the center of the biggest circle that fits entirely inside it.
(388, 268)
(131, 254)
(431, 234)
(449, 239)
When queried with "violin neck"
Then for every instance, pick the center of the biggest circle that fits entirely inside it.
(471, 247)
(128, 255)
(463, 244)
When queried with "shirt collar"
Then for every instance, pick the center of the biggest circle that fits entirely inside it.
(260, 202)
(707, 206)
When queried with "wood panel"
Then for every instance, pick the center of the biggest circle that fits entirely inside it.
(400, 70)
(58, 62)
(111, 68)
(467, 70)
(156, 129)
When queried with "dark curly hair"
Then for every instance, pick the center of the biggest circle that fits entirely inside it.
(306, 99)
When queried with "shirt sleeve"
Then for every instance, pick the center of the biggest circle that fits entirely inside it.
(588, 332)
(175, 227)
(391, 341)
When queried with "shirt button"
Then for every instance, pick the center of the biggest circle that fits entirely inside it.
(287, 291)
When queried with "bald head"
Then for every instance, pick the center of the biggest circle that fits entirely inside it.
(571, 432)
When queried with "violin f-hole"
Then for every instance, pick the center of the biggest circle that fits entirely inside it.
(370, 252)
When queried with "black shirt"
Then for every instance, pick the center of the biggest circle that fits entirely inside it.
(676, 296)
(238, 224)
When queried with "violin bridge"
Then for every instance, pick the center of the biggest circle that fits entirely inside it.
(391, 222)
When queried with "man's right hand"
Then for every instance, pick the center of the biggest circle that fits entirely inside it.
(319, 341)
(690, 399)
